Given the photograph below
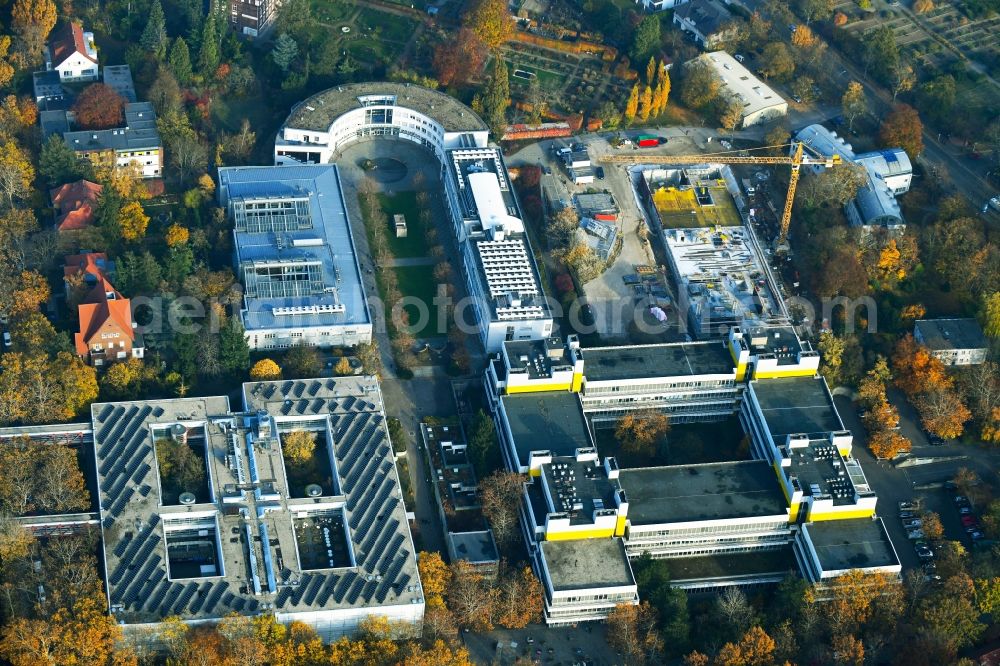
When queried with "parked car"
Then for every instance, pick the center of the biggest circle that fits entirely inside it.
(907, 515)
(908, 506)
(974, 527)
(739, 58)
(913, 524)
(976, 535)
(915, 534)
(959, 499)
(599, 172)
(965, 510)
(968, 520)
(925, 553)
(934, 440)
(6, 339)
(797, 99)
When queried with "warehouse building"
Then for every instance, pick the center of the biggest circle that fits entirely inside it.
(295, 256)
(761, 104)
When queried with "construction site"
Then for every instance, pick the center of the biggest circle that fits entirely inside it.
(694, 197)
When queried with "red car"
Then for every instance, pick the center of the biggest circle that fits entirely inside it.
(968, 520)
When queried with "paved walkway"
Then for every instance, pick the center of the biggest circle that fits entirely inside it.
(412, 261)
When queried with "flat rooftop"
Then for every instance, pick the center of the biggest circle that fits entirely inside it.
(587, 563)
(318, 242)
(599, 202)
(851, 544)
(245, 544)
(317, 113)
(723, 274)
(494, 228)
(727, 565)
(822, 472)
(778, 341)
(538, 358)
(796, 405)
(656, 361)
(476, 547)
(546, 422)
(579, 488)
(138, 133)
(714, 491)
(943, 334)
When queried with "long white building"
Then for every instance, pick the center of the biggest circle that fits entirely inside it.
(761, 103)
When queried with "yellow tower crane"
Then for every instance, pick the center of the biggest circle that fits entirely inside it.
(795, 159)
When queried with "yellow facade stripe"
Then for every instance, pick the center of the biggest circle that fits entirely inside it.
(535, 471)
(537, 388)
(788, 372)
(844, 452)
(577, 382)
(572, 535)
(620, 526)
(793, 512)
(741, 371)
(841, 515)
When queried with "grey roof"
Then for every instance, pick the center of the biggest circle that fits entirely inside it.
(943, 334)
(538, 358)
(707, 15)
(714, 491)
(886, 162)
(826, 142)
(48, 86)
(53, 122)
(599, 202)
(318, 112)
(476, 547)
(587, 564)
(546, 422)
(119, 78)
(876, 204)
(336, 254)
(796, 405)
(778, 341)
(139, 133)
(259, 536)
(851, 544)
(570, 481)
(657, 361)
(731, 565)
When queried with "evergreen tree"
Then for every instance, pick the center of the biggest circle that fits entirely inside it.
(496, 98)
(285, 51)
(154, 37)
(58, 163)
(208, 54)
(180, 61)
(234, 353)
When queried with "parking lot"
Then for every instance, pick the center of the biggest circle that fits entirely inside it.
(925, 484)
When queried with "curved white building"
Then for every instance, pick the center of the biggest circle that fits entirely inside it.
(499, 266)
(323, 123)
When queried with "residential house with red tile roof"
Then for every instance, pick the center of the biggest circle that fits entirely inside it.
(76, 204)
(91, 266)
(72, 53)
(107, 332)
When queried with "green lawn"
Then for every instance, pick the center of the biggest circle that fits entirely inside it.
(332, 12)
(418, 282)
(415, 243)
(390, 26)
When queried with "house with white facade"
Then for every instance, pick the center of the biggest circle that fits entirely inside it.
(71, 52)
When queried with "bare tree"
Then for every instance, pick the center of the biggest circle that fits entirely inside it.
(500, 495)
(735, 608)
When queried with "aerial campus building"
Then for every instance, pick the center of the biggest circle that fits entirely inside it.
(888, 173)
(498, 263)
(800, 502)
(246, 535)
(295, 257)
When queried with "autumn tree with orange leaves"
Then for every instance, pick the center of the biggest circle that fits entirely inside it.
(458, 60)
(928, 385)
(632, 631)
(639, 432)
(755, 648)
(887, 444)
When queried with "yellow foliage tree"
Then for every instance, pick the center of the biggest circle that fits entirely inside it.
(912, 312)
(438, 654)
(923, 6)
(916, 371)
(16, 173)
(435, 577)
(645, 104)
(632, 105)
(640, 431)
(298, 445)
(33, 20)
(991, 314)
(343, 367)
(491, 21)
(888, 444)
(264, 370)
(6, 70)
(176, 235)
(889, 261)
(133, 221)
(804, 37)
